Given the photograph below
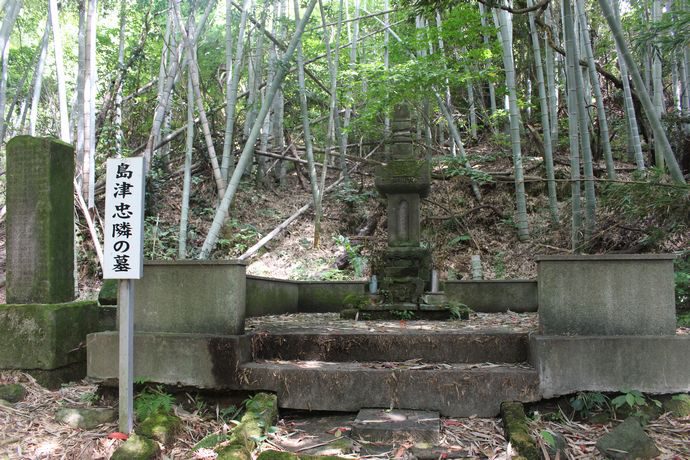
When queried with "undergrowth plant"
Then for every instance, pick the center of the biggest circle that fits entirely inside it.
(584, 403)
(152, 401)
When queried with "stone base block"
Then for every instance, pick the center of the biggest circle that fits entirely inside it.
(458, 391)
(651, 364)
(493, 296)
(385, 425)
(609, 294)
(37, 336)
(203, 361)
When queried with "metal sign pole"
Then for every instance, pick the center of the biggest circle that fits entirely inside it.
(126, 356)
(123, 261)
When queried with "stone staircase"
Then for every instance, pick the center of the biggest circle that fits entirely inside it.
(458, 374)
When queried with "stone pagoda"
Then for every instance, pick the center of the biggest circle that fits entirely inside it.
(405, 272)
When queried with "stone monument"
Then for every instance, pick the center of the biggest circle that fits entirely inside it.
(43, 330)
(406, 267)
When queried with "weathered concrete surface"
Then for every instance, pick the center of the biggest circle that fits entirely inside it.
(40, 221)
(651, 364)
(384, 425)
(270, 296)
(443, 347)
(492, 296)
(459, 391)
(45, 336)
(606, 295)
(201, 360)
(327, 296)
(191, 296)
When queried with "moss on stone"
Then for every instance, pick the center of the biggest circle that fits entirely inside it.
(12, 392)
(517, 431)
(40, 174)
(262, 412)
(233, 452)
(108, 293)
(161, 427)
(45, 336)
(678, 405)
(136, 448)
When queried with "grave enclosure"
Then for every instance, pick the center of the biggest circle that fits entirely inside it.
(605, 322)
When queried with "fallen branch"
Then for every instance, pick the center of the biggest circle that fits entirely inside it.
(283, 225)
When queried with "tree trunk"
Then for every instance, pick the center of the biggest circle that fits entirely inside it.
(38, 81)
(304, 112)
(642, 93)
(283, 67)
(545, 124)
(629, 108)
(5, 30)
(187, 182)
(189, 39)
(514, 117)
(234, 70)
(594, 80)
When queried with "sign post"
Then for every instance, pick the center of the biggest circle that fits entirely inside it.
(123, 260)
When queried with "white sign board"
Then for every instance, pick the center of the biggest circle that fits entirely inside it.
(124, 219)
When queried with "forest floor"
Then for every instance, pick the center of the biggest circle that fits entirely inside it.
(455, 227)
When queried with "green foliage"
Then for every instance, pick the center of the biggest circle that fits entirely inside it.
(682, 282)
(353, 196)
(160, 240)
(586, 402)
(454, 166)
(333, 274)
(152, 401)
(636, 404)
(357, 301)
(238, 237)
(499, 265)
(684, 320)
(357, 261)
(403, 314)
(227, 414)
(459, 310)
(650, 203)
(548, 438)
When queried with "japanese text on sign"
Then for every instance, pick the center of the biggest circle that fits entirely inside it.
(124, 209)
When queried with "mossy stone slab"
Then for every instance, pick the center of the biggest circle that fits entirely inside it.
(40, 220)
(108, 293)
(517, 431)
(40, 336)
(136, 448)
(161, 427)
(12, 392)
(627, 441)
(85, 418)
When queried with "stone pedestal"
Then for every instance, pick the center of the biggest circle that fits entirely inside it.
(606, 295)
(191, 296)
(405, 273)
(40, 221)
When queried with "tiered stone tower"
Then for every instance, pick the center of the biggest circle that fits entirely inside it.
(406, 267)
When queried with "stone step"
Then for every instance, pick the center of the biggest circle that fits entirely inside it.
(439, 347)
(457, 390)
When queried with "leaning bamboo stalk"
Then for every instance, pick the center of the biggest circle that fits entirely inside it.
(642, 93)
(188, 36)
(282, 68)
(546, 128)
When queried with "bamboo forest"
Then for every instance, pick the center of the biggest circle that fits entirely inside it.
(469, 220)
(225, 96)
